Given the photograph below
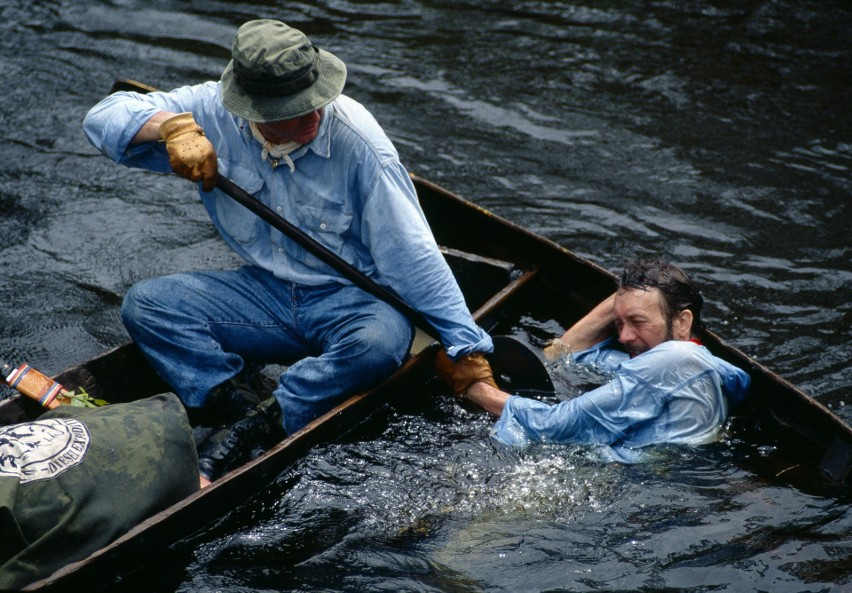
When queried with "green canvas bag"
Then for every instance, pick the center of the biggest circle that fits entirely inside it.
(78, 478)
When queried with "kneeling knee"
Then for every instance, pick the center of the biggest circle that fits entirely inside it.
(145, 299)
(388, 347)
(130, 304)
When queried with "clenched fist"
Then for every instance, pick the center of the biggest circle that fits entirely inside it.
(191, 154)
(464, 372)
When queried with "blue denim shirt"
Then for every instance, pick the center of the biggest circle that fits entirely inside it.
(348, 191)
(676, 392)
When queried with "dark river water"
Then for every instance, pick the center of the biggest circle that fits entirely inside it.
(717, 134)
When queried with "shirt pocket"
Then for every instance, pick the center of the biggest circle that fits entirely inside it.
(232, 218)
(326, 219)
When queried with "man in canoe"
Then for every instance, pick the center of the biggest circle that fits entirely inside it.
(277, 125)
(665, 387)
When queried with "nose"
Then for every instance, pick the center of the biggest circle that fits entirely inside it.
(626, 335)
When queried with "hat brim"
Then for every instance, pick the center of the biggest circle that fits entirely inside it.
(327, 87)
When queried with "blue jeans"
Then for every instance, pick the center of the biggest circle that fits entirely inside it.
(198, 329)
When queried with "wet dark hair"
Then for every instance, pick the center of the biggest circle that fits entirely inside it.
(677, 288)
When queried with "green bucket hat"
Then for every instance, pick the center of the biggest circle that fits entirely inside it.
(276, 73)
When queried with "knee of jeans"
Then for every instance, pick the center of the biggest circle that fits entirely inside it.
(387, 347)
(129, 311)
(139, 297)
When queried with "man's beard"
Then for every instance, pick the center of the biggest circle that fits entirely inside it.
(637, 350)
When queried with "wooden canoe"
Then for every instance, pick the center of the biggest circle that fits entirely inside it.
(506, 273)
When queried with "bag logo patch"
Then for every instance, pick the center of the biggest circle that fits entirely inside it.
(43, 449)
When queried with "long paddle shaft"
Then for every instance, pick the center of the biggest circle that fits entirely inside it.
(511, 358)
(304, 240)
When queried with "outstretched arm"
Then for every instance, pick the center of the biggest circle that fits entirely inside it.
(592, 329)
(487, 397)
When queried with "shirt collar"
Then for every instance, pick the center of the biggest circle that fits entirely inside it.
(321, 145)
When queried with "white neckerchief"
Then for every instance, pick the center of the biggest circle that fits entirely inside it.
(278, 151)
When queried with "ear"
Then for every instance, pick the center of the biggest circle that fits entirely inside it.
(682, 325)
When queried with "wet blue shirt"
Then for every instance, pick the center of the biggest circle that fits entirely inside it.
(675, 393)
(348, 191)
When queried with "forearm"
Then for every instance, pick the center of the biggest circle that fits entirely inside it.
(150, 130)
(122, 124)
(125, 126)
(595, 327)
(487, 397)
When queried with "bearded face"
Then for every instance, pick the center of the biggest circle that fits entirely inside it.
(642, 323)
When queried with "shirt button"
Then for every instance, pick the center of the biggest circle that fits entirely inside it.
(322, 226)
(280, 250)
(278, 209)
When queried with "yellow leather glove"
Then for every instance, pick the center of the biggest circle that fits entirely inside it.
(464, 372)
(191, 154)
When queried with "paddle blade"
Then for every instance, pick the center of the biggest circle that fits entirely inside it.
(517, 367)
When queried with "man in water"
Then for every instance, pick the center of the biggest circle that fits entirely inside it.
(666, 386)
(278, 126)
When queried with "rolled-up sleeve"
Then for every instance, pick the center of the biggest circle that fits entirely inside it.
(112, 123)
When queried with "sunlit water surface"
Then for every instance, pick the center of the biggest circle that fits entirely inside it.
(715, 134)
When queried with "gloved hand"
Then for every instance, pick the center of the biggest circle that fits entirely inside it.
(464, 372)
(191, 154)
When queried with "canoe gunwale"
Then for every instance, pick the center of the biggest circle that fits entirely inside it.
(121, 555)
